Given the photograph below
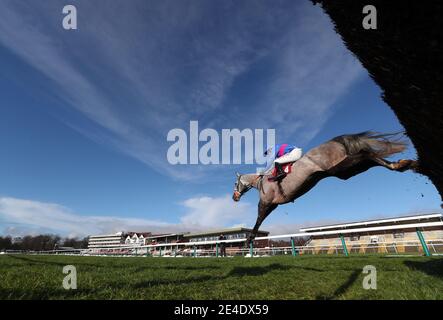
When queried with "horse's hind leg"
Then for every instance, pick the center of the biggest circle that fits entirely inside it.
(401, 165)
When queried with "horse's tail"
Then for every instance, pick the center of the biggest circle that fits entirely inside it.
(377, 144)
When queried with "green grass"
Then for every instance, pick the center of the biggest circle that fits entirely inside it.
(284, 277)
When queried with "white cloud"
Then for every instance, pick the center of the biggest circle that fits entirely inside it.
(33, 217)
(216, 212)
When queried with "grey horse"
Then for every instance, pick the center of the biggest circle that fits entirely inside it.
(342, 157)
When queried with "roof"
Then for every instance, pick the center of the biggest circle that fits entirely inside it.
(436, 224)
(144, 234)
(163, 235)
(376, 221)
(118, 234)
(222, 231)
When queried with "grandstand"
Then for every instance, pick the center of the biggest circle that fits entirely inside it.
(229, 233)
(164, 244)
(406, 234)
(418, 234)
(106, 240)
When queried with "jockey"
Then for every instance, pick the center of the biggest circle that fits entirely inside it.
(283, 153)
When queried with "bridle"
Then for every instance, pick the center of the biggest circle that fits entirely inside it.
(237, 194)
(246, 187)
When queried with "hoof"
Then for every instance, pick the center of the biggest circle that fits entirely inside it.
(406, 164)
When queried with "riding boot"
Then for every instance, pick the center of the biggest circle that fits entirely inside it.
(280, 172)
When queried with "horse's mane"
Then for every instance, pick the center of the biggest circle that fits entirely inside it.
(378, 144)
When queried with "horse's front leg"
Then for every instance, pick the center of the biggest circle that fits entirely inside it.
(401, 165)
(264, 209)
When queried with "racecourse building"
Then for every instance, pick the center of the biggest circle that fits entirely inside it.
(106, 240)
(146, 243)
(128, 239)
(118, 242)
(418, 234)
(136, 238)
(166, 238)
(230, 234)
(391, 235)
(195, 243)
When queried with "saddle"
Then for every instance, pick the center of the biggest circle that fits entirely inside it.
(286, 168)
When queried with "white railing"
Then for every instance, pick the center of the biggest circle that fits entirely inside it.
(153, 249)
(435, 246)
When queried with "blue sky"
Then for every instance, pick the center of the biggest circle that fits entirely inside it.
(85, 114)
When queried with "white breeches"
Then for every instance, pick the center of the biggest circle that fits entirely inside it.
(292, 156)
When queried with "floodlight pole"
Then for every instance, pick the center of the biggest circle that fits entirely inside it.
(423, 243)
(294, 253)
(343, 242)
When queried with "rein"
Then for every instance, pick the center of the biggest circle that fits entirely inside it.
(260, 183)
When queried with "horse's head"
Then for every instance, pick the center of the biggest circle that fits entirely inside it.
(240, 188)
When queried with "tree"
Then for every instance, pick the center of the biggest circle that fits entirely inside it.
(5, 243)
